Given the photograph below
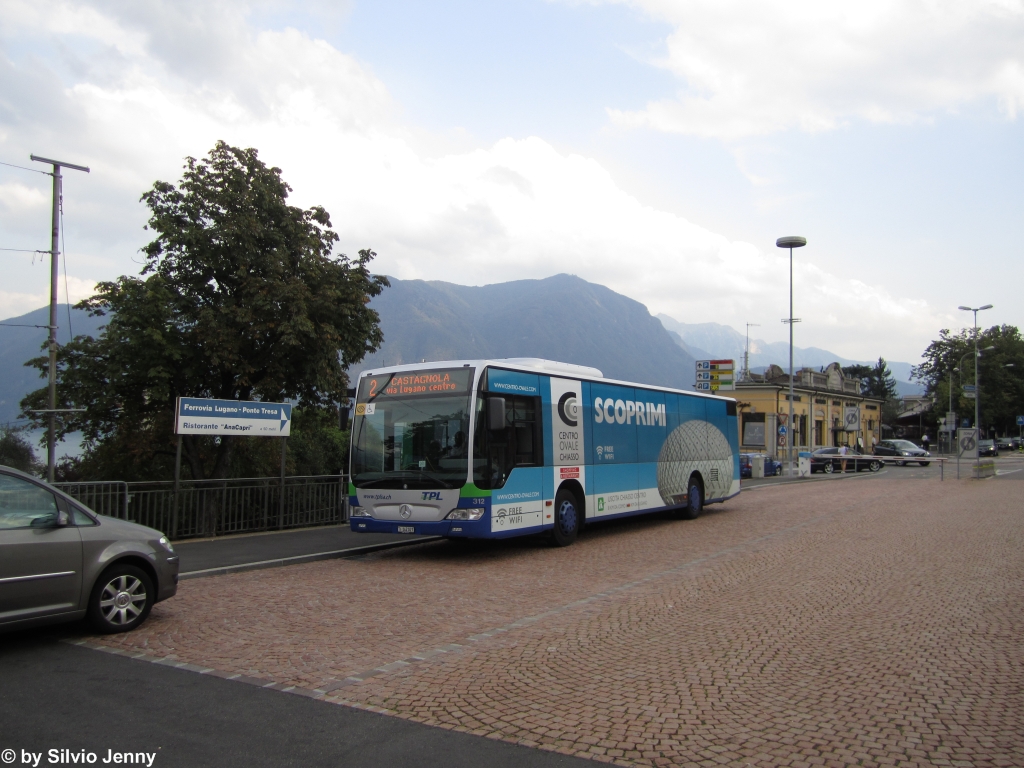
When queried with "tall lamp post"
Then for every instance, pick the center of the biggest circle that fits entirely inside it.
(977, 392)
(791, 242)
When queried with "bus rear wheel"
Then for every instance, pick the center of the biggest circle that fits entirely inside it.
(694, 501)
(567, 519)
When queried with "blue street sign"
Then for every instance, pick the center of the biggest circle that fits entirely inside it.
(1020, 421)
(782, 429)
(199, 416)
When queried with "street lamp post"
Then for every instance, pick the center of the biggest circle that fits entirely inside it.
(977, 391)
(791, 242)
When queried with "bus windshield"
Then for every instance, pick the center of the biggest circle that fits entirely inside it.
(411, 430)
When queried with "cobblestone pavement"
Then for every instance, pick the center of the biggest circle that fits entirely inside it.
(873, 621)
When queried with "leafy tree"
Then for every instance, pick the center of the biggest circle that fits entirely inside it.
(316, 447)
(950, 359)
(16, 450)
(240, 298)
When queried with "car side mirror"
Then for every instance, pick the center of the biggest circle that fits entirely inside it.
(63, 519)
(496, 413)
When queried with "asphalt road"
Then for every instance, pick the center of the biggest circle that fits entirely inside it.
(233, 551)
(58, 696)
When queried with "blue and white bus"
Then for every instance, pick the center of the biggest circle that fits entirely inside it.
(499, 448)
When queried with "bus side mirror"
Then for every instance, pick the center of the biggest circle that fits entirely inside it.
(496, 413)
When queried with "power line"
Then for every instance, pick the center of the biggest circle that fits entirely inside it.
(34, 170)
(24, 250)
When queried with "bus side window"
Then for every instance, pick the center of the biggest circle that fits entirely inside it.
(526, 424)
(518, 444)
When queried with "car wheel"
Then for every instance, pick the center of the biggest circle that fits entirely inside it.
(121, 599)
(925, 463)
(694, 501)
(900, 463)
(567, 519)
(874, 466)
(828, 469)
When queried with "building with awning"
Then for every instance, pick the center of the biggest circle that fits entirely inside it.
(910, 422)
(828, 410)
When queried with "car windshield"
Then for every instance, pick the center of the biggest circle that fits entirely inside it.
(906, 445)
(411, 430)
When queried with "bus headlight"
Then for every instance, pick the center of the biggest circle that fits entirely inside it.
(472, 513)
(359, 512)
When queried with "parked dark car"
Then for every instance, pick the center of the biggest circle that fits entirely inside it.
(905, 450)
(59, 561)
(829, 460)
(1008, 443)
(987, 448)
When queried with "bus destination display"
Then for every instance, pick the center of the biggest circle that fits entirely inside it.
(449, 381)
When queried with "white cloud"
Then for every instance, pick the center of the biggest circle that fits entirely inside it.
(17, 198)
(13, 304)
(517, 209)
(752, 67)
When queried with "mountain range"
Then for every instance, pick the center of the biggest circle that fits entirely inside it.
(561, 318)
(20, 342)
(709, 341)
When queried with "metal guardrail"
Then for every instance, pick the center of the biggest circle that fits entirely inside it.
(219, 507)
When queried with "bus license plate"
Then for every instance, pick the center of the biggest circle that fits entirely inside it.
(406, 529)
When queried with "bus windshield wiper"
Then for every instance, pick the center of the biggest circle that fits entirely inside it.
(392, 479)
(428, 475)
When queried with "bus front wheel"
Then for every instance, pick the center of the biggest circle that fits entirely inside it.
(567, 519)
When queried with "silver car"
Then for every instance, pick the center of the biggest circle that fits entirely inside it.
(60, 561)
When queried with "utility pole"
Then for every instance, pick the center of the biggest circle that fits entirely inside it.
(746, 352)
(51, 409)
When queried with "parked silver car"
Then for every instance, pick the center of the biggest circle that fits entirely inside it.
(60, 561)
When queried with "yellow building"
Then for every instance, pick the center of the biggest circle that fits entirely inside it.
(828, 410)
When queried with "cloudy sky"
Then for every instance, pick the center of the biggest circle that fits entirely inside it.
(656, 146)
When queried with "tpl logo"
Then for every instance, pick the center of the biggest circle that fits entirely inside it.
(431, 496)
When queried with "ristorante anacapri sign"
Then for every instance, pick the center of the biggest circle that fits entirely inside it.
(199, 416)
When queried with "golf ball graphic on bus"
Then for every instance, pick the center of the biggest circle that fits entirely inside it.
(695, 446)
